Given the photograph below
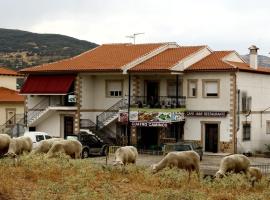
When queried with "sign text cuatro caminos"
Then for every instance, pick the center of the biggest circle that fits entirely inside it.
(205, 113)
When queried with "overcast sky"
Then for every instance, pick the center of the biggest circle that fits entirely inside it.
(221, 24)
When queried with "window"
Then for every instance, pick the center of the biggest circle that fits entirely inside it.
(39, 138)
(47, 137)
(19, 83)
(10, 117)
(267, 127)
(171, 88)
(246, 131)
(210, 88)
(114, 88)
(192, 88)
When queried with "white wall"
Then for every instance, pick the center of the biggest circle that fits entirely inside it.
(8, 82)
(51, 125)
(258, 87)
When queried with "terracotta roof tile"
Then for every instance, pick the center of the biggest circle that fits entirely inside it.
(8, 95)
(107, 57)
(212, 62)
(6, 71)
(166, 59)
(247, 68)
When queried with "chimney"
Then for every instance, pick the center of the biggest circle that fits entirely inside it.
(253, 57)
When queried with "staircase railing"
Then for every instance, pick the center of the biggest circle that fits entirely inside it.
(37, 109)
(110, 112)
(8, 126)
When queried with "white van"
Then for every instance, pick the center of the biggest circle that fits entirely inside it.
(37, 136)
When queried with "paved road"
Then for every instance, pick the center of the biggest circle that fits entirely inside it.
(209, 165)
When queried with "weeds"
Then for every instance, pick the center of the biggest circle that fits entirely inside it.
(36, 177)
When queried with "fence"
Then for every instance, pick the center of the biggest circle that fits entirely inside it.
(265, 168)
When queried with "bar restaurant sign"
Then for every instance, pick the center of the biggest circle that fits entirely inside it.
(206, 113)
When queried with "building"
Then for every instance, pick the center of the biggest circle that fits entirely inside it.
(11, 103)
(169, 92)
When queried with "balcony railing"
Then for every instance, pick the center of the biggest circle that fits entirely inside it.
(158, 102)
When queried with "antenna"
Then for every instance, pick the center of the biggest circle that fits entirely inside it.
(133, 36)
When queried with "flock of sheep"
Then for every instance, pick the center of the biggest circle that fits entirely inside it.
(187, 160)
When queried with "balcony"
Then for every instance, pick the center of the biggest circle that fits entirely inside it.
(158, 102)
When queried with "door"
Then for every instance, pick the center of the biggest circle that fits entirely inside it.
(148, 138)
(68, 126)
(152, 88)
(211, 138)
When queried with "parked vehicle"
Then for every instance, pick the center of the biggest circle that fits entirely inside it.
(185, 146)
(37, 136)
(92, 144)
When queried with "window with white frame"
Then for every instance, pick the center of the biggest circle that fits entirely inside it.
(192, 88)
(210, 88)
(171, 88)
(268, 127)
(246, 131)
(114, 88)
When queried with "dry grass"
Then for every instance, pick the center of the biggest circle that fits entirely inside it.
(38, 178)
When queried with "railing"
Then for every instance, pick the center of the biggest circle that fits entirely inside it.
(9, 125)
(87, 124)
(158, 102)
(265, 168)
(37, 109)
(112, 111)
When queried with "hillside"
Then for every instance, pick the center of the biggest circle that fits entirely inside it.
(263, 61)
(19, 49)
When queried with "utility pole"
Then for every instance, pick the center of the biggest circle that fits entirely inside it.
(133, 36)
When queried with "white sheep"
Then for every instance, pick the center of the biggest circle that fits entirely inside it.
(73, 148)
(255, 174)
(45, 145)
(4, 143)
(233, 163)
(125, 155)
(187, 160)
(19, 145)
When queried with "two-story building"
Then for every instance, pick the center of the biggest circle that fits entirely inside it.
(11, 103)
(151, 94)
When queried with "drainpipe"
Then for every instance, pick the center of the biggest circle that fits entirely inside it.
(128, 125)
(177, 85)
(238, 110)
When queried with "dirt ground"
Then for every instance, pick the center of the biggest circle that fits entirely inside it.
(209, 164)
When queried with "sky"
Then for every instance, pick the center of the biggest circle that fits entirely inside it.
(220, 24)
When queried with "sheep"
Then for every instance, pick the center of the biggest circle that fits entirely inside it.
(255, 175)
(187, 160)
(19, 145)
(233, 163)
(45, 145)
(4, 143)
(125, 155)
(73, 148)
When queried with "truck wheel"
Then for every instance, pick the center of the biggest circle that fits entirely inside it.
(85, 153)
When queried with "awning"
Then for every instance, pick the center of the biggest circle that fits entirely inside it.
(47, 84)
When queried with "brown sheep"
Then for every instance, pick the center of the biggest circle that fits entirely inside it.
(73, 148)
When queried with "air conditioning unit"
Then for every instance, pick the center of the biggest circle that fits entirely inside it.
(246, 102)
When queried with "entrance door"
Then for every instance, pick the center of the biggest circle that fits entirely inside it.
(148, 138)
(68, 126)
(152, 92)
(211, 138)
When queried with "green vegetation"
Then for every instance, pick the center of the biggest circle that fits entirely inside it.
(38, 178)
(21, 49)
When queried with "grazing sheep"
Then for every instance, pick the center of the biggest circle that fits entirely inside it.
(255, 174)
(187, 160)
(233, 163)
(45, 145)
(73, 148)
(125, 155)
(4, 143)
(19, 145)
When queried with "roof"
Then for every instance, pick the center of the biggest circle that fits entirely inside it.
(107, 57)
(247, 68)
(12, 96)
(166, 59)
(6, 71)
(212, 62)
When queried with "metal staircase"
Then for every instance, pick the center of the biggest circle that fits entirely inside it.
(110, 114)
(35, 113)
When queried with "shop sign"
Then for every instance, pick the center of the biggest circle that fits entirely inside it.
(149, 124)
(123, 117)
(205, 113)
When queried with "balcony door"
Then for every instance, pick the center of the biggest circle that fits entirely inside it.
(68, 126)
(152, 92)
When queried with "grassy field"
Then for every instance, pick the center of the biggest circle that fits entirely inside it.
(38, 178)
